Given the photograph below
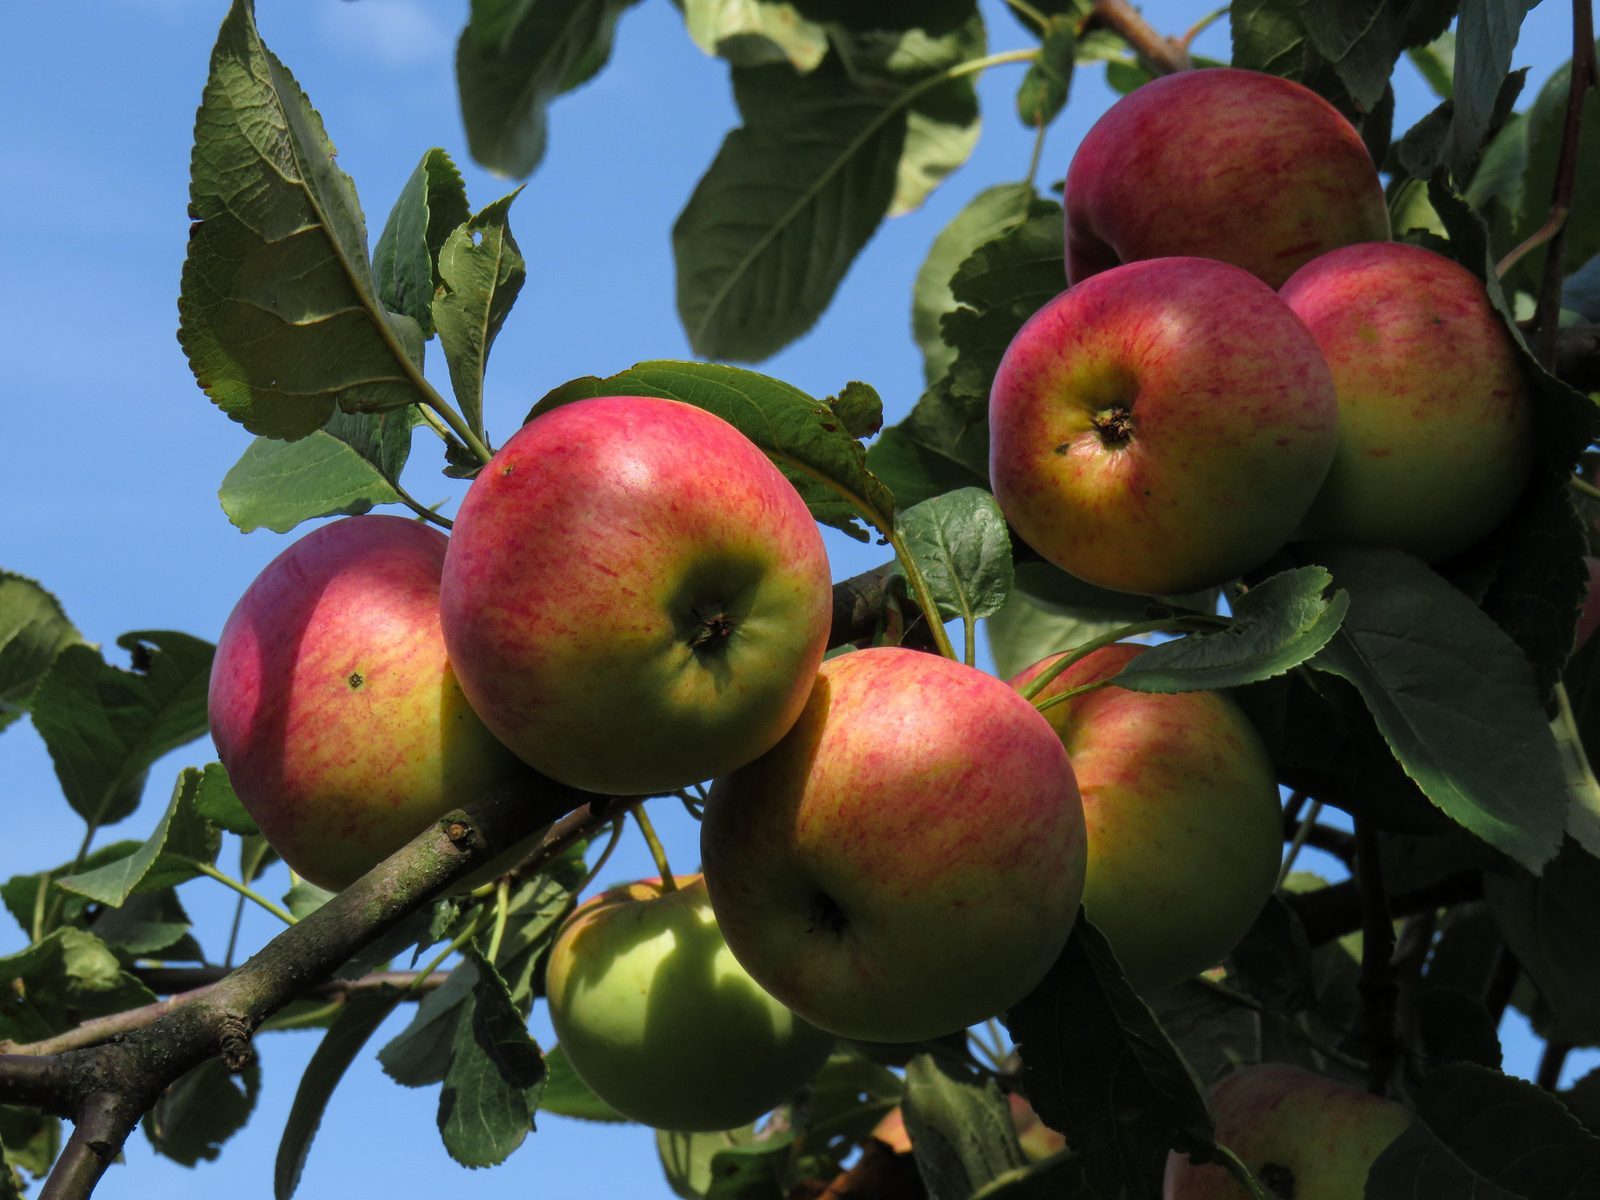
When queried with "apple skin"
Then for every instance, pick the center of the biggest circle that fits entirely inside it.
(1248, 168)
(1300, 1134)
(635, 598)
(661, 1021)
(1161, 427)
(1589, 614)
(1181, 805)
(333, 707)
(1435, 416)
(908, 860)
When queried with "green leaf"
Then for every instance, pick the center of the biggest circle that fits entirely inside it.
(535, 910)
(181, 838)
(790, 199)
(148, 924)
(1453, 697)
(1436, 63)
(333, 1056)
(23, 901)
(1213, 1035)
(481, 271)
(305, 898)
(686, 1158)
(933, 16)
(1268, 36)
(1500, 1137)
(68, 977)
(566, 1095)
(986, 216)
(1277, 625)
(1044, 89)
(33, 630)
(961, 1129)
(808, 441)
(420, 1054)
(405, 261)
(1545, 125)
(847, 1099)
(202, 1110)
(514, 57)
(1486, 34)
(755, 33)
(1050, 611)
(218, 803)
(1546, 923)
(1097, 1067)
(960, 543)
(1058, 1177)
(859, 409)
(495, 1078)
(279, 315)
(32, 1139)
(941, 118)
(104, 726)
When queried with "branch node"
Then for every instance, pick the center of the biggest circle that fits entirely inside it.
(235, 1043)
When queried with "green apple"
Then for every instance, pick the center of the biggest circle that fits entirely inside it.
(1181, 804)
(333, 707)
(1252, 169)
(1161, 427)
(662, 1023)
(1435, 415)
(635, 598)
(1303, 1136)
(908, 860)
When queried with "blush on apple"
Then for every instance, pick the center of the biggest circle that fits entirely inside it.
(635, 598)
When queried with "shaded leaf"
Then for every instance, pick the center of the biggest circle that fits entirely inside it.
(803, 436)
(960, 1126)
(420, 1054)
(686, 1158)
(1486, 34)
(202, 1110)
(1547, 923)
(67, 977)
(932, 16)
(148, 923)
(754, 33)
(1453, 697)
(514, 57)
(23, 901)
(32, 1139)
(1546, 122)
(1049, 611)
(405, 262)
(566, 1095)
(277, 485)
(1043, 93)
(481, 270)
(217, 802)
(279, 315)
(168, 856)
(960, 544)
(495, 1078)
(33, 630)
(104, 726)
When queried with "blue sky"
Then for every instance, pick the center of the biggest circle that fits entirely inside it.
(114, 456)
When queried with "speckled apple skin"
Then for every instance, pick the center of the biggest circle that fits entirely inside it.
(581, 562)
(1234, 424)
(1248, 168)
(661, 1021)
(1435, 416)
(1301, 1135)
(909, 859)
(1184, 823)
(332, 703)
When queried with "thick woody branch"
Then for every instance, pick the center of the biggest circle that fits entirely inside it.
(1162, 54)
(1332, 912)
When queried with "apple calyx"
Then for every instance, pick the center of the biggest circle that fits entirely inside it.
(1278, 1179)
(826, 915)
(1114, 425)
(713, 633)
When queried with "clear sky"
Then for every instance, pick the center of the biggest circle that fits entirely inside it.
(113, 456)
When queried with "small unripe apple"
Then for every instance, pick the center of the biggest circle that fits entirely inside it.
(635, 598)
(908, 860)
(1181, 805)
(1161, 427)
(661, 1021)
(1252, 169)
(333, 707)
(1303, 1136)
(1435, 415)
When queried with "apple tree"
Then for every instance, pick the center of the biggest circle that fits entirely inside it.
(1426, 710)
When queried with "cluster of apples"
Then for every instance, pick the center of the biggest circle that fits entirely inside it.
(1244, 358)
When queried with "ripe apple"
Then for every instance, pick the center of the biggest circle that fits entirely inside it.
(635, 598)
(662, 1023)
(1161, 427)
(1251, 169)
(1435, 417)
(908, 859)
(1589, 615)
(1181, 805)
(333, 708)
(1301, 1135)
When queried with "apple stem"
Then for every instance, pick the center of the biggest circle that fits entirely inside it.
(437, 961)
(502, 912)
(247, 892)
(1235, 1167)
(1175, 624)
(923, 595)
(657, 850)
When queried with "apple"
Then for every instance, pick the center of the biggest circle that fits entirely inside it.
(1181, 805)
(1161, 427)
(908, 860)
(635, 598)
(662, 1023)
(1589, 615)
(1301, 1135)
(1435, 416)
(332, 705)
(1251, 169)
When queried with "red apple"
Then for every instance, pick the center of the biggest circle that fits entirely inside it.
(1589, 615)
(1181, 804)
(635, 598)
(1301, 1135)
(333, 708)
(1251, 169)
(662, 1023)
(908, 859)
(1435, 417)
(1162, 427)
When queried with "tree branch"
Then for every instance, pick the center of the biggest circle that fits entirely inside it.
(1162, 54)
(1377, 984)
(1332, 912)
(1566, 181)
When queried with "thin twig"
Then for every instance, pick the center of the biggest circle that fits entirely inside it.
(1551, 1062)
(1162, 54)
(1376, 984)
(1548, 312)
(1232, 996)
